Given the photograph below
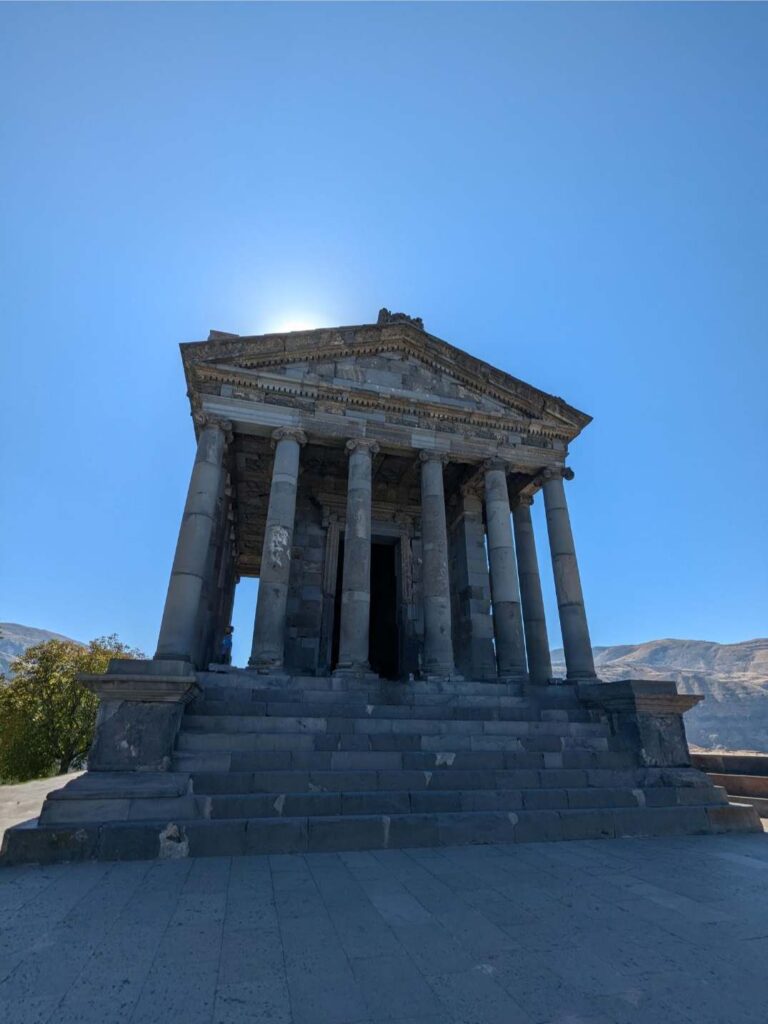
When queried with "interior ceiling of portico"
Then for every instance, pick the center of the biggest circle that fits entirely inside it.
(395, 478)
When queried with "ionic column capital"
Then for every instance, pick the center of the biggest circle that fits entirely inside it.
(552, 472)
(428, 455)
(206, 419)
(525, 500)
(363, 444)
(495, 463)
(292, 433)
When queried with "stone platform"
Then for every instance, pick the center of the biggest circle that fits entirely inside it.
(642, 931)
(266, 765)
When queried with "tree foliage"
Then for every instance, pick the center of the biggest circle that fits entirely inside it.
(46, 716)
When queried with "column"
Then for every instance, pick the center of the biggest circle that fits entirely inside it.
(570, 600)
(225, 594)
(505, 591)
(534, 619)
(438, 642)
(473, 625)
(208, 607)
(356, 579)
(268, 650)
(178, 630)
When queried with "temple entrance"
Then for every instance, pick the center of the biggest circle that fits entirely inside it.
(384, 640)
(384, 647)
(337, 607)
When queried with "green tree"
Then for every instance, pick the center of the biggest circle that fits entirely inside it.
(46, 716)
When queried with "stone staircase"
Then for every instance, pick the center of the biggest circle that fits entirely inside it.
(273, 765)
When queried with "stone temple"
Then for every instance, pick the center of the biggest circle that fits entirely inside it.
(399, 691)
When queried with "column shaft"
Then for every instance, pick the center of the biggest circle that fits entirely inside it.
(570, 600)
(268, 650)
(534, 618)
(505, 591)
(438, 641)
(356, 583)
(178, 630)
(473, 622)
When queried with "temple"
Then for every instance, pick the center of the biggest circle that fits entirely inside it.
(366, 476)
(378, 482)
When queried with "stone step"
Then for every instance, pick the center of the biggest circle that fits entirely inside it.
(171, 796)
(521, 711)
(371, 760)
(246, 682)
(331, 698)
(264, 724)
(540, 697)
(428, 801)
(296, 781)
(386, 742)
(742, 785)
(760, 803)
(230, 837)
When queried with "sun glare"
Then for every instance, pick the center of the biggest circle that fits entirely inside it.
(295, 323)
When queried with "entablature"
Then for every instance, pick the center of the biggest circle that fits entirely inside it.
(302, 367)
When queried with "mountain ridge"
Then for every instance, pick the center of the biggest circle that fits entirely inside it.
(16, 638)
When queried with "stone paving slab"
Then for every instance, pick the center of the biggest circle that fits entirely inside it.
(636, 931)
(23, 801)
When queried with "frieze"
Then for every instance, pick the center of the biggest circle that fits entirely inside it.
(482, 423)
(334, 509)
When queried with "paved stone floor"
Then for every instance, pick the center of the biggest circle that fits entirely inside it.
(660, 931)
(24, 801)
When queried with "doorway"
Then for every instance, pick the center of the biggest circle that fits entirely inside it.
(383, 645)
(384, 639)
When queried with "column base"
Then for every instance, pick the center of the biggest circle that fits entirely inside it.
(355, 672)
(266, 668)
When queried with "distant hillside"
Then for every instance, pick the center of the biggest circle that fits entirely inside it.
(15, 639)
(732, 677)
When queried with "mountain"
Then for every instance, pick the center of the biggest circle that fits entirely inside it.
(15, 639)
(732, 677)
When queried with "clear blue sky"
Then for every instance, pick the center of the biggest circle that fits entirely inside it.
(577, 194)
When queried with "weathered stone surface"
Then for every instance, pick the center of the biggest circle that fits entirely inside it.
(647, 715)
(448, 934)
(135, 735)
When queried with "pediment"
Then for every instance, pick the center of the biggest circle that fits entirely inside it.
(397, 364)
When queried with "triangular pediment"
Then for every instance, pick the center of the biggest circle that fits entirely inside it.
(396, 364)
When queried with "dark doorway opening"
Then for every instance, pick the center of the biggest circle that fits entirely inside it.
(384, 640)
(337, 607)
(384, 648)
